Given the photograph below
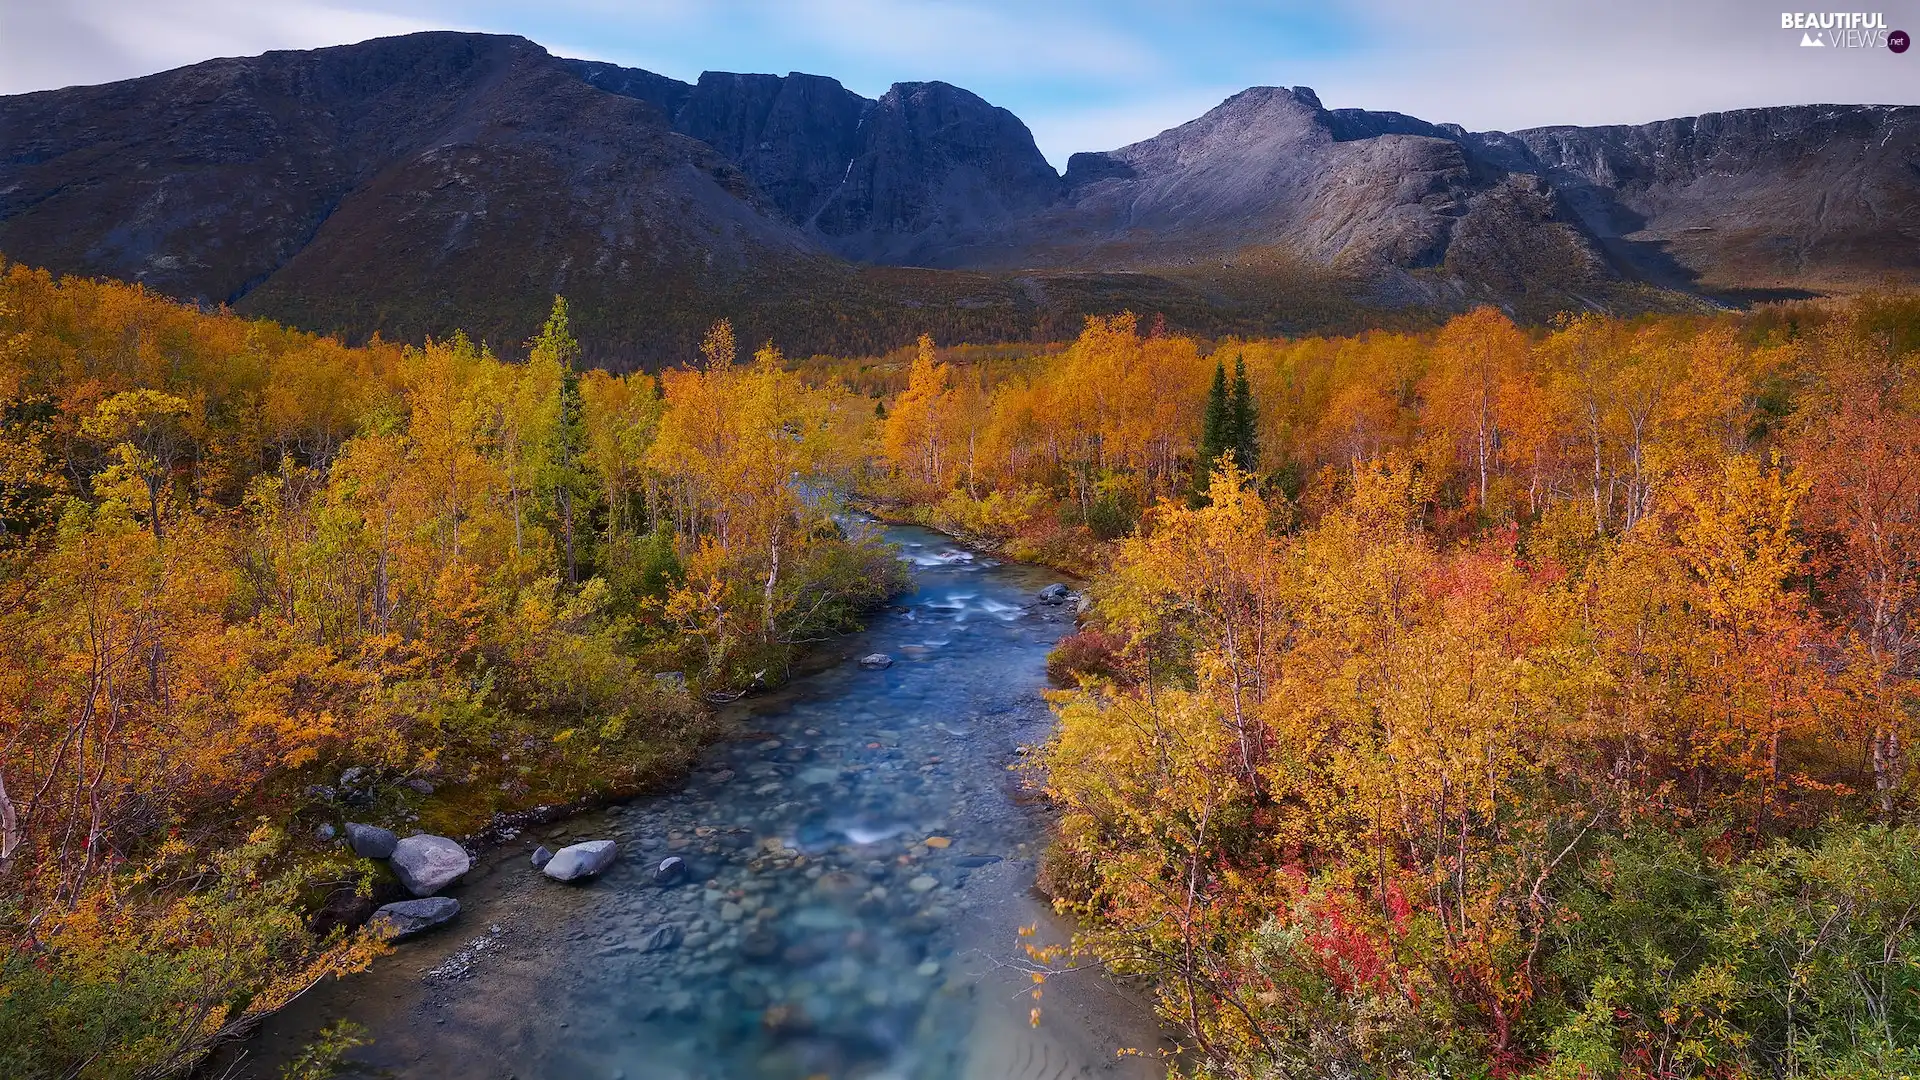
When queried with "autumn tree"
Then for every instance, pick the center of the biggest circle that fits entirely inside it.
(915, 432)
(1474, 357)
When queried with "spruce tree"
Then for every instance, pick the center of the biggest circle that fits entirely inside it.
(1216, 433)
(562, 475)
(1243, 420)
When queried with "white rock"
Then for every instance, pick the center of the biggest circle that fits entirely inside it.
(576, 862)
(425, 864)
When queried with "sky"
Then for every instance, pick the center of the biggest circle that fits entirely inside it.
(1083, 74)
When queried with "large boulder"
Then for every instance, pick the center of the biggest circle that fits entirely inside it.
(1055, 593)
(370, 841)
(577, 862)
(425, 864)
(409, 917)
(876, 661)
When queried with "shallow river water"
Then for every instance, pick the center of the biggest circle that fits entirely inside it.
(819, 934)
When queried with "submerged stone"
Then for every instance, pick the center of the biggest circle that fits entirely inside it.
(576, 862)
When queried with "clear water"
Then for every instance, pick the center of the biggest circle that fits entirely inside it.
(818, 934)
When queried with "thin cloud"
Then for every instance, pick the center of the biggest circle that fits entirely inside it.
(43, 46)
(978, 38)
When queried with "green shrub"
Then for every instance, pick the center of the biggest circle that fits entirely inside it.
(1799, 960)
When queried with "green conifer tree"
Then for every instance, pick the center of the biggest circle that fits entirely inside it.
(563, 477)
(1243, 420)
(1215, 434)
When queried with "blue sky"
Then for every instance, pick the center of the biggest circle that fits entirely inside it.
(1084, 75)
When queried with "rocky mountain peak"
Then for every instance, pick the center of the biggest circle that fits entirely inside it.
(936, 167)
(417, 183)
(793, 135)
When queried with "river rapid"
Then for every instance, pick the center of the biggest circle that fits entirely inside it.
(825, 929)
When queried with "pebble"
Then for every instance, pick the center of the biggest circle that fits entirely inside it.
(923, 883)
(661, 938)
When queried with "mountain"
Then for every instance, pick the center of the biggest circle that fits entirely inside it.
(1374, 195)
(416, 184)
(410, 184)
(1814, 196)
(899, 181)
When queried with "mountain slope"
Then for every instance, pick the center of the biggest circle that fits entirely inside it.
(1735, 203)
(904, 180)
(408, 184)
(417, 184)
(1818, 196)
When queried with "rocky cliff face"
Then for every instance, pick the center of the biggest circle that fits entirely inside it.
(1808, 195)
(938, 169)
(912, 178)
(420, 183)
(1763, 198)
(1403, 205)
(1265, 169)
(203, 181)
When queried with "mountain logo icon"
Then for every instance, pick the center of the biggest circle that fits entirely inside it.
(1808, 41)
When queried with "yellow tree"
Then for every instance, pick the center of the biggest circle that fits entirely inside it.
(1473, 359)
(144, 430)
(1216, 569)
(915, 436)
(760, 455)
(1858, 443)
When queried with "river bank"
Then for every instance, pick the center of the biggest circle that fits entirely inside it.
(860, 870)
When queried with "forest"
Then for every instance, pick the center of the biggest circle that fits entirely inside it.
(1482, 702)
(241, 561)
(1489, 700)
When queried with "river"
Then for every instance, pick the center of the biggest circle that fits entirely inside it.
(825, 931)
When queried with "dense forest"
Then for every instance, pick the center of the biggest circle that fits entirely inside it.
(1489, 700)
(1500, 703)
(240, 562)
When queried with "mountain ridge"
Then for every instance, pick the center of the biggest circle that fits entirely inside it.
(412, 184)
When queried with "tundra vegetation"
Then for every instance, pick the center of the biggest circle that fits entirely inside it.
(1489, 700)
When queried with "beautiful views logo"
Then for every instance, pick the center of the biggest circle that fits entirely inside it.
(1844, 30)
